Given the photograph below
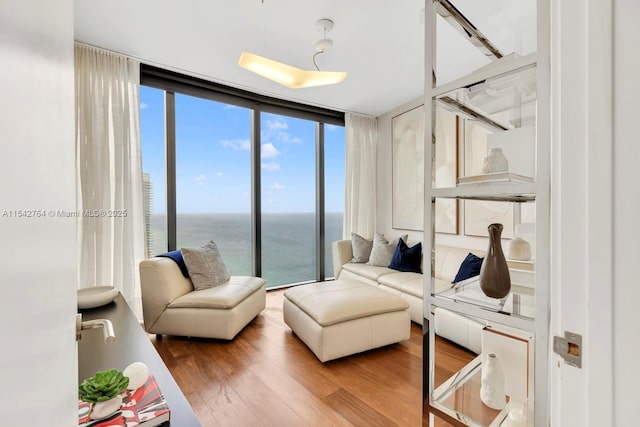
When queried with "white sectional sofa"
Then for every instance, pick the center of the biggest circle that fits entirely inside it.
(409, 286)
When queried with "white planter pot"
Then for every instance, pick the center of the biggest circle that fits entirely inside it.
(104, 409)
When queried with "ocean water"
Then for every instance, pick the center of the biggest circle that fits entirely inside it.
(288, 242)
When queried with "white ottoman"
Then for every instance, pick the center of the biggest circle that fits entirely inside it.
(340, 318)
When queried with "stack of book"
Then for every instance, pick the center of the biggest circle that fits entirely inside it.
(144, 406)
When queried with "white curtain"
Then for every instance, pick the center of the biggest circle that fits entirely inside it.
(360, 176)
(109, 170)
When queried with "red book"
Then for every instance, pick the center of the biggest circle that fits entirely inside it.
(145, 406)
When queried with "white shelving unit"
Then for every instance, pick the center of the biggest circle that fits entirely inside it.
(512, 92)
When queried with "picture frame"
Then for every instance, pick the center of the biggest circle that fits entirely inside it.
(408, 170)
(446, 170)
(479, 214)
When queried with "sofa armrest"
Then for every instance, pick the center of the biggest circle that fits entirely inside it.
(342, 253)
(161, 282)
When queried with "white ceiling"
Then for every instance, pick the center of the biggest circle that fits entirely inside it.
(380, 43)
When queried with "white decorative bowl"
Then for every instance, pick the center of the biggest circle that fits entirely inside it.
(96, 296)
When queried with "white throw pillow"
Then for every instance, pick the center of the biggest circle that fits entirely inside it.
(361, 248)
(205, 265)
(382, 250)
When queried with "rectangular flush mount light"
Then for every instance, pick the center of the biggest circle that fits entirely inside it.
(286, 75)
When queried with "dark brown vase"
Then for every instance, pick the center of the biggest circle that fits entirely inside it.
(494, 273)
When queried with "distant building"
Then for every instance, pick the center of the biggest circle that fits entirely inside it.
(147, 189)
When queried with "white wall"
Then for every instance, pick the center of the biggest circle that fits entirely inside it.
(38, 361)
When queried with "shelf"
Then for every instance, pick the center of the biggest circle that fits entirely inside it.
(506, 65)
(516, 310)
(493, 191)
(493, 177)
(503, 105)
(459, 397)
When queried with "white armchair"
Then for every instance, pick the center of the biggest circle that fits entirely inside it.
(171, 306)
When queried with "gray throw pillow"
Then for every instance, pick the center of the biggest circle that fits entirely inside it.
(361, 248)
(205, 265)
(382, 251)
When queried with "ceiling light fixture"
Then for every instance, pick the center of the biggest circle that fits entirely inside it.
(294, 77)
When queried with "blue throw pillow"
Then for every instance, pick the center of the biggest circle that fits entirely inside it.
(177, 257)
(470, 267)
(407, 258)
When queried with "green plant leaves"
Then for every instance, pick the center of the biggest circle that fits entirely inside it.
(104, 385)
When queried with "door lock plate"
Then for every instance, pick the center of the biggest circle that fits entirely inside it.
(570, 348)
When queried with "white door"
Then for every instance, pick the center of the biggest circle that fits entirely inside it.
(594, 209)
(38, 360)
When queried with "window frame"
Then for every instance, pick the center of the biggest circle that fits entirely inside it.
(172, 82)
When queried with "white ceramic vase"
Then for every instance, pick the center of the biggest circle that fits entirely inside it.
(492, 386)
(495, 162)
(518, 249)
(104, 409)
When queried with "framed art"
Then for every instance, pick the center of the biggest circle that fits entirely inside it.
(478, 214)
(408, 170)
(407, 164)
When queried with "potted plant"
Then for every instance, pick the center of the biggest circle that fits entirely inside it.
(103, 391)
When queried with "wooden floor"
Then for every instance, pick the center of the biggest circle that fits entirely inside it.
(266, 376)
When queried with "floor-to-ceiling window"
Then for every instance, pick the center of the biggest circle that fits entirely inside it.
(334, 166)
(288, 159)
(213, 178)
(263, 179)
(154, 169)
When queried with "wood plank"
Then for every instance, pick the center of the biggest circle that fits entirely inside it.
(271, 409)
(304, 403)
(356, 411)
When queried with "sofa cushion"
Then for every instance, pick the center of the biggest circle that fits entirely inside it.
(225, 296)
(361, 248)
(448, 260)
(382, 250)
(369, 271)
(407, 258)
(442, 285)
(329, 303)
(205, 265)
(406, 282)
(470, 267)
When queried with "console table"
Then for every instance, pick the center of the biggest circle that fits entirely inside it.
(131, 345)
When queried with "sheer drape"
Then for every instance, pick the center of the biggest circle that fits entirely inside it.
(109, 170)
(360, 179)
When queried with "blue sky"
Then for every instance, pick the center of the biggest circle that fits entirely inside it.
(213, 169)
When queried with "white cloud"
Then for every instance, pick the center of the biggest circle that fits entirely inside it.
(201, 178)
(143, 106)
(277, 124)
(219, 173)
(271, 166)
(269, 151)
(237, 144)
(277, 130)
(331, 128)
(277, 186)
